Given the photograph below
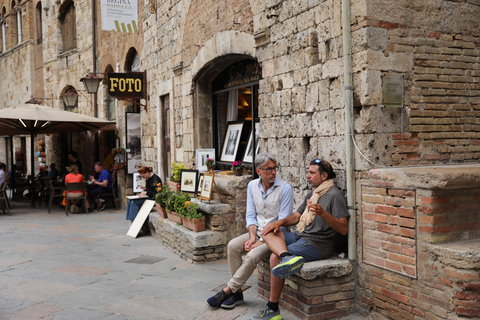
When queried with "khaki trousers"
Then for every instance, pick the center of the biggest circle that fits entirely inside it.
(241, 271)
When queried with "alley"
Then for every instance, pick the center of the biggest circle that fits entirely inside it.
(85, 267)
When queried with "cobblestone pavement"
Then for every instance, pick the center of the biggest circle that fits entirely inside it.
(86, 267)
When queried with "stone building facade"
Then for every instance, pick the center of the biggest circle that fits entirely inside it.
(297, 48)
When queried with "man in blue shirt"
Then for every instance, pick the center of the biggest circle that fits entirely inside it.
(269, 199)
(104, 180)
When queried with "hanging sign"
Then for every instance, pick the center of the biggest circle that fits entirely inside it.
(127, 85)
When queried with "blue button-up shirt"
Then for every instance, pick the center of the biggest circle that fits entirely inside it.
(286, 201)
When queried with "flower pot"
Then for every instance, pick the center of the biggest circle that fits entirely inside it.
(161, 210)
(174, 186)
(194, 224)
(174, 217)
(238, 171)
(210, 168)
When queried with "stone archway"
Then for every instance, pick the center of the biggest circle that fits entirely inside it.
(222, 50)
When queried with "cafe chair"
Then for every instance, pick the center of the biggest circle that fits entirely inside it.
(53, 193)
(110, 193)
(75, 186)
(4, 198)
(21, 185)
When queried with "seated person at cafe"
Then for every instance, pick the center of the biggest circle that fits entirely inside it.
(104, 180)
(152, 182)
(71, 177)
(53, 173)
(2, 173)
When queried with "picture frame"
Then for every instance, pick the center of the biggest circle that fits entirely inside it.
(207, 187)
(201, 155)
(248, 156)
(188, 181)
(200, 182)
(137, 183)
(232, 141)
(133, 142)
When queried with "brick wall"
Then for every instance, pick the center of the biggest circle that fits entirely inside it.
(435, 272)
(389, 237)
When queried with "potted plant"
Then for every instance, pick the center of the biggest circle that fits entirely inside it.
(237, 167)
(175, 177)
(163, 192)
(210, 163)
(170, 208)
(192, 219)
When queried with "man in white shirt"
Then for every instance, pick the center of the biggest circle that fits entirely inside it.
(268, 199)
(2, 173)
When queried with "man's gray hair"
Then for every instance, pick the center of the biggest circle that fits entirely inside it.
(264, 158)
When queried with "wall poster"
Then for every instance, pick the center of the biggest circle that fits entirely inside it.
(120, 15)
(134, 143)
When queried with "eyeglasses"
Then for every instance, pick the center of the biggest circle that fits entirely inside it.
(320, 163)
(270, 169)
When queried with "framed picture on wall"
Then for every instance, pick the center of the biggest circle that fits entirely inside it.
(188, 181)
(231, 142)
(134, 143)
(201, 156)
(248, 156)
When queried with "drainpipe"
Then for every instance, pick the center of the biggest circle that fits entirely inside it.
(94, 51)
(19, 24)
(348, 95)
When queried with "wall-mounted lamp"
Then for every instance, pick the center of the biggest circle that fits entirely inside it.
(40, 101)
(70, 98)
(91, 82)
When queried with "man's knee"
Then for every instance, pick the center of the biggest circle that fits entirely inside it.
(273, 260)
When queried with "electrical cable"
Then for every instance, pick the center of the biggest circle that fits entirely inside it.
(352, 136)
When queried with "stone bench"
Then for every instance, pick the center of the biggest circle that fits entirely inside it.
(195, 247)
(323, 289)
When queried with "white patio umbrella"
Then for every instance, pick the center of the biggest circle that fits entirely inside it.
(33, 119)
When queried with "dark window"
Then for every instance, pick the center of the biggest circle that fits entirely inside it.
(68, 25)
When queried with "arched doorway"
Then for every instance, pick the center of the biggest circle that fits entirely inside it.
(227, 92)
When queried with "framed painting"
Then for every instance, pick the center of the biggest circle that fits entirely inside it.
(207, 186)
(188, 181)
(248, 156)
(231, 142)
(134, 144)
(137, 183)
(201, 156)
(200, 182)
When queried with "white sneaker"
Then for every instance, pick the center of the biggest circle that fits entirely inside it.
(72, 208)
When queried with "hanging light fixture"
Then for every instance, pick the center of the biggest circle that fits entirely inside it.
(91, 82)
(70, 98)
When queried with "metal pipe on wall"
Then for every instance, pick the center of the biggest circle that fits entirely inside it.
(348, 95)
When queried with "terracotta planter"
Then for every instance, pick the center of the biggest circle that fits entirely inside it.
(238, 171)
(174, 186)
(194, 224)
(210, 168)
(174, 217)
(161, 210)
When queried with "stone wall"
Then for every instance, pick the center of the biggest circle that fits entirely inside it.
(419, 236)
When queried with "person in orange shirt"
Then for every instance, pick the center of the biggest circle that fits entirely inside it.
(74, 176)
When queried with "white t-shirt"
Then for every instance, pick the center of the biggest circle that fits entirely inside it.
(2, 176)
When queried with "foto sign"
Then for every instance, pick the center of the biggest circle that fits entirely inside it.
(127, 85)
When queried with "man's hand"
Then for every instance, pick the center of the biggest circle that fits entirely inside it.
(316, 209)
(272, 227)
(249, 244)
(252, 245)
